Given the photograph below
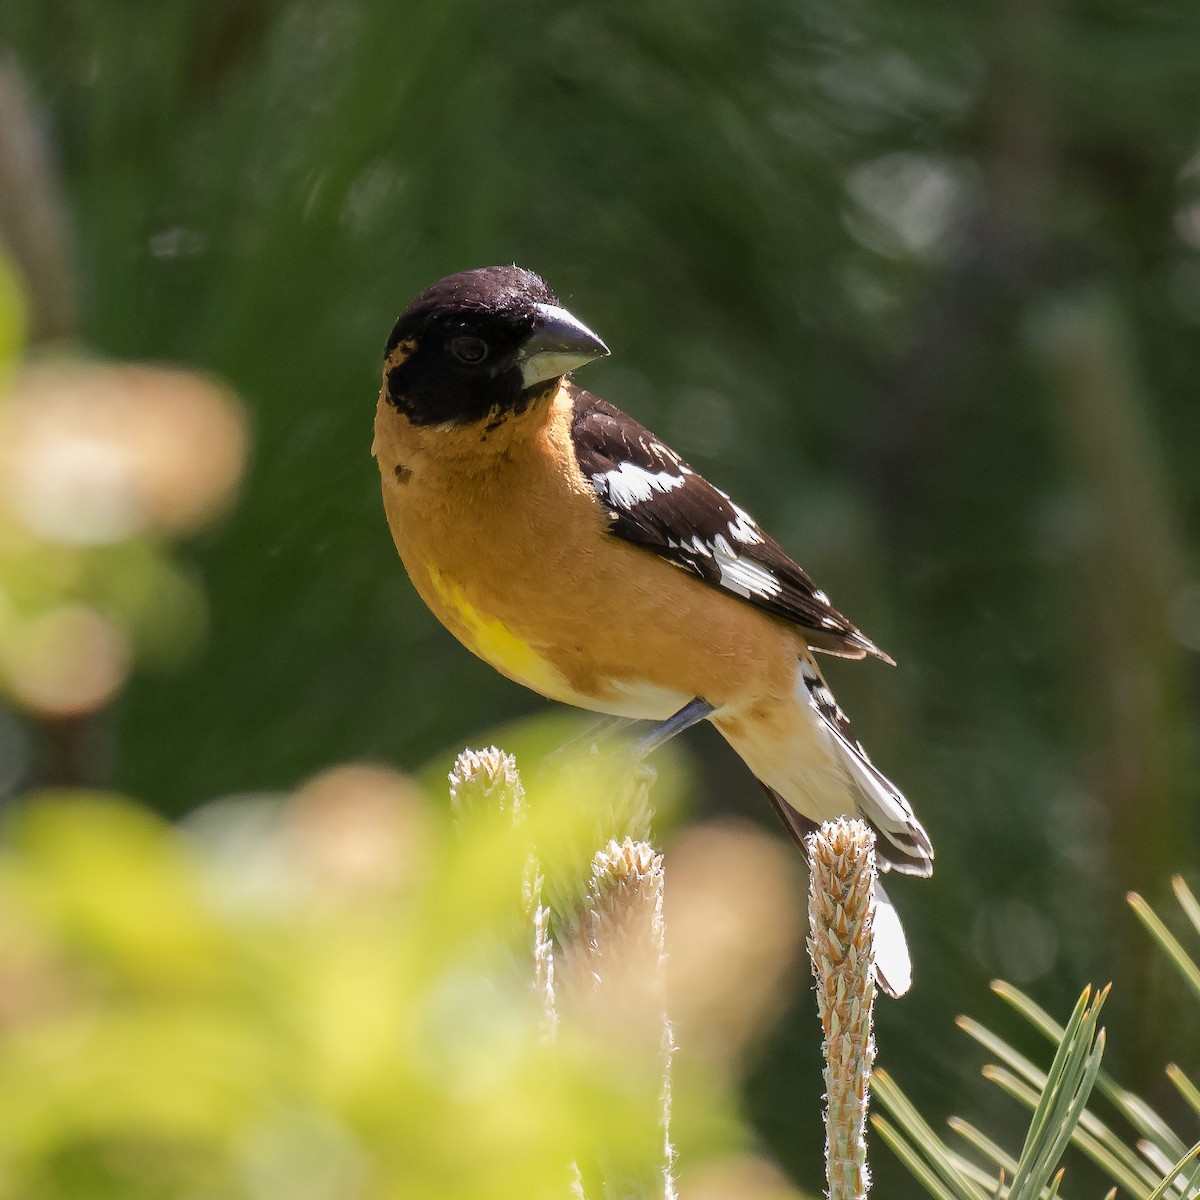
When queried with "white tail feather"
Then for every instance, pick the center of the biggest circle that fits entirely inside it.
(905, 845)
(893, 966)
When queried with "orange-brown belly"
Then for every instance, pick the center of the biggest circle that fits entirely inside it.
(612, 628)
(512, 553)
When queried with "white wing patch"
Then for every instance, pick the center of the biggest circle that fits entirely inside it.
(629, 484)
(697, 545)
(741, 575)
(745, 529)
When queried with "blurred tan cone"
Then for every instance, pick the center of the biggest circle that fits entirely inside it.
(841, 918)
(734, 932)
(95, 453)
(67, 661)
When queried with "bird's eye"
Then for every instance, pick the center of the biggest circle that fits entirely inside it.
(469, 350)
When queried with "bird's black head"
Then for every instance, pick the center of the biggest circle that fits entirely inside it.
(482, 344)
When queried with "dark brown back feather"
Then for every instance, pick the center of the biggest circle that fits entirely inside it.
(690, 523)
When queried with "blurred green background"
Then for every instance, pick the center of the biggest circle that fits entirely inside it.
(918, 283)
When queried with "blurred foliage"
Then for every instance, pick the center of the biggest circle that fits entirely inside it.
(12, 317)
(315, 998)
(1159, 1165)
(1058, 1108)
(100, 467)
(918, 282)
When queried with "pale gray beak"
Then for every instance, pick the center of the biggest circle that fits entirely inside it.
(559, 343)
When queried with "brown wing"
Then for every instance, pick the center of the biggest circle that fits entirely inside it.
(656, 500)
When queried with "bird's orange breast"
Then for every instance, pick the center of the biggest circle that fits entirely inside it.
(508, 545)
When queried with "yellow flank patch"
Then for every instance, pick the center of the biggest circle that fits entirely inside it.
(495, 643)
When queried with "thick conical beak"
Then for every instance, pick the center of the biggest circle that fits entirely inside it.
(559, 343)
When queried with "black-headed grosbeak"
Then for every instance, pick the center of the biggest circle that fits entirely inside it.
(574, 551)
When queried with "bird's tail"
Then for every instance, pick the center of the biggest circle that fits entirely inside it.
(893, 964)
(902, 845)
